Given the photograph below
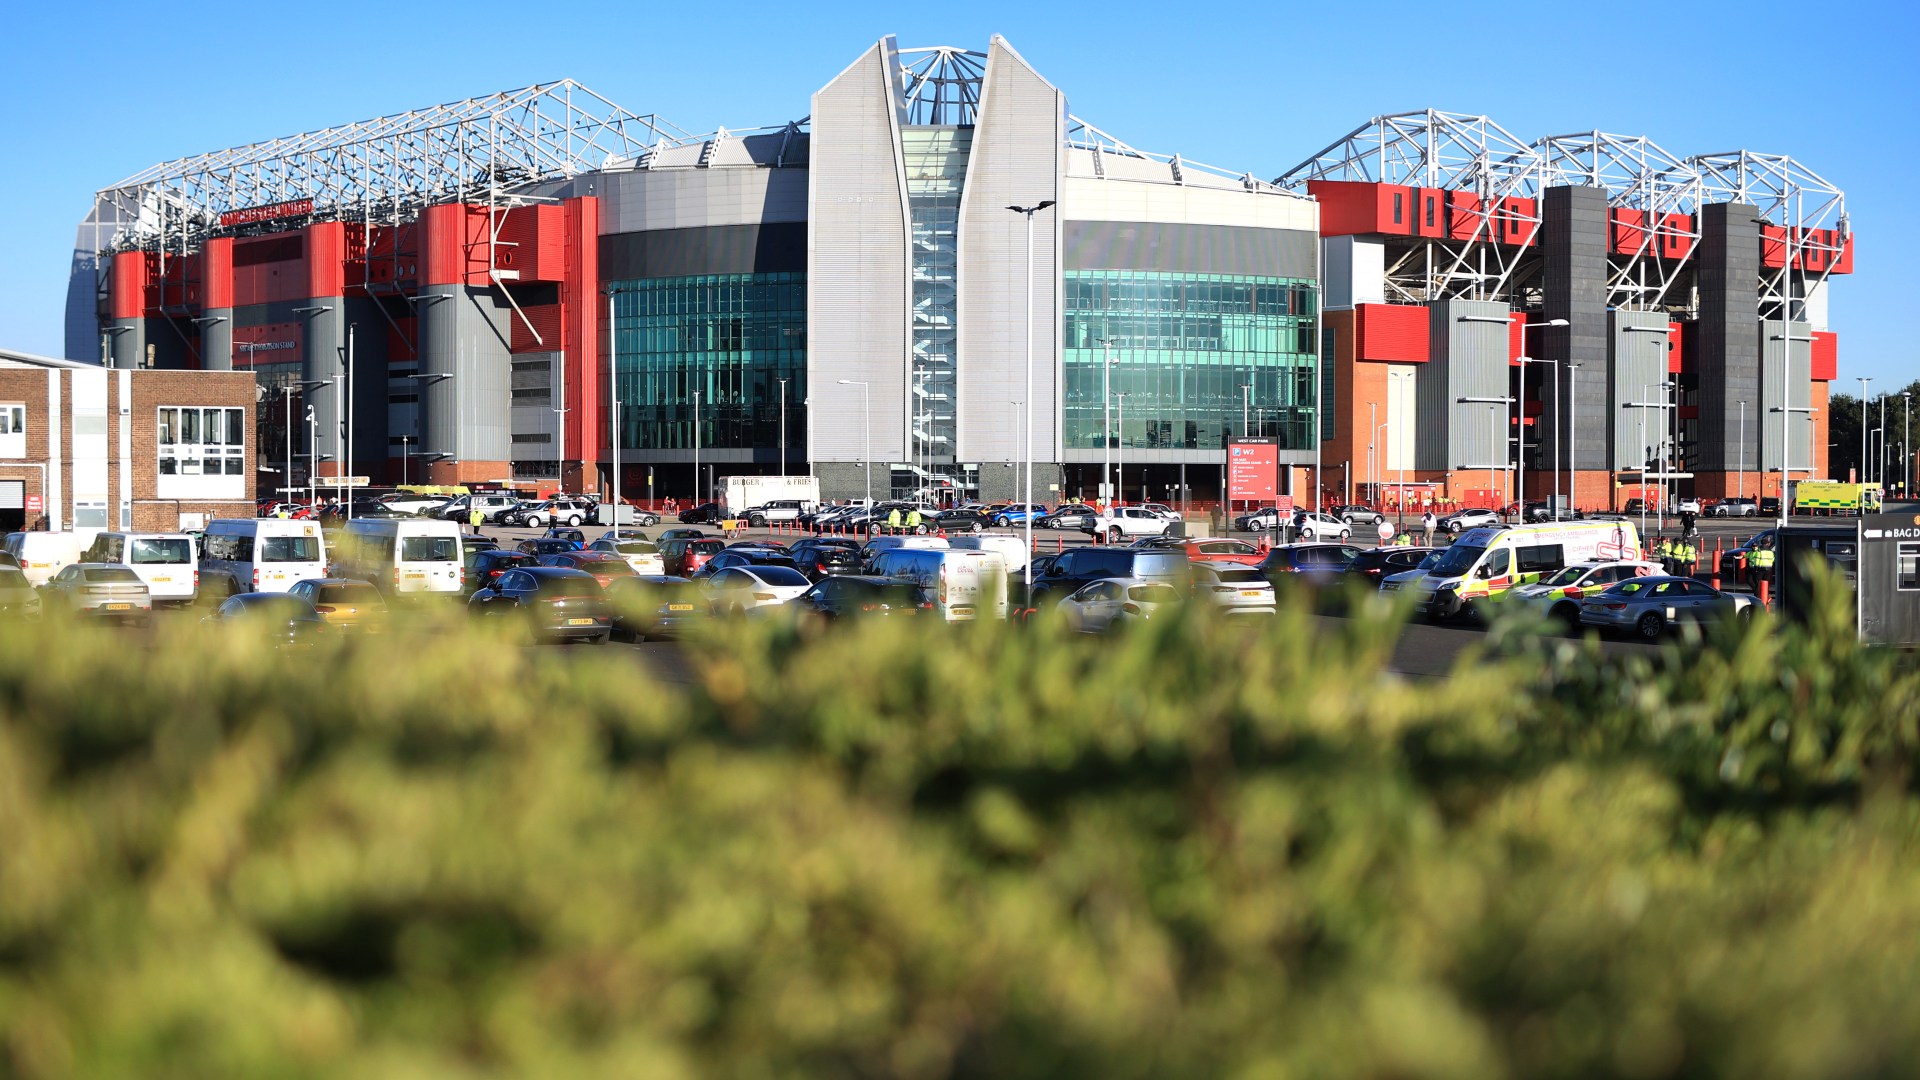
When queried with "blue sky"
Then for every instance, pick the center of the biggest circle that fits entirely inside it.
(100, 91)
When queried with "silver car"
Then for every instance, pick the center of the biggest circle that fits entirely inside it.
(1101, 605)
(17, 598)
(1648, 606)
(1462, 520)
(102, 590)
(1236, 588)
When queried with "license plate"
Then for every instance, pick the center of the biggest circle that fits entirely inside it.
(579, 622)
(118, 607)
(415, 577)
(163, 581)
(1251, 592)
(679, 607)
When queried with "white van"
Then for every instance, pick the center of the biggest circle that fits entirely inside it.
(239, 555)
(402, 556)
(44, 554)
(163, 560)
(1011, 549)
(880, 545)
(962, 585)
(1484, 563)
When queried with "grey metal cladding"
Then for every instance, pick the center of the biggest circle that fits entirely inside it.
(644, 200)
(720, 249)
(1638, 366)
(857, 269)
(1728, 262)
(467, 417)
(1468, 359)
(1190, 249)
(1799, 389)
(1016, 161)
(1574, 221)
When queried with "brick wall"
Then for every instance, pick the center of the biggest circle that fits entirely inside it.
(206, 389)
(29, 387)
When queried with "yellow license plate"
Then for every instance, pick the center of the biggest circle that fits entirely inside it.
(1251, 592)
(163, 581)
(679, 607)
(118, 607)
(579, 622)
(415, 577)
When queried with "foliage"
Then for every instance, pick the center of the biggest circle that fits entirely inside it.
(1193, 849)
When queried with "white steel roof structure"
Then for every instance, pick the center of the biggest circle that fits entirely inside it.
(385, 169)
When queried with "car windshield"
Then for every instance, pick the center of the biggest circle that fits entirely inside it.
(779, 575)
(112, 573)
(429, 549)
(276, 605)
(635, 547)
(1248, 575)
(569, 585)
(358, 592)
(290, 549)
(160, 551)
(1458, 559)
(1567, 576)
(1432, 560)
(705, 547)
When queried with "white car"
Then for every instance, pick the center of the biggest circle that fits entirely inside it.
(739, 589)
(1238, 589)
(1161, 510)
(1735, 507)
(1308, 526)
(1100, 605)
(1687, 506)
(1119, 522)
(642, 555)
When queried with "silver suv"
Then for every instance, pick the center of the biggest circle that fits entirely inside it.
(560, 510)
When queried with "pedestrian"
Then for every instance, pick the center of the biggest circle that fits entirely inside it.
(893, 521)
(1386, 532)
(1403, 540)
(1759, 565)
(1663, 552)
(1426, 527)
(913, 521)
(1685, 557)
(474, 518)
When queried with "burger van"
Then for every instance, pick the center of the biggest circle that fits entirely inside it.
(1484, 563)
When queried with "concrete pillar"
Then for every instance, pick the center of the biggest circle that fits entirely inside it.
(464, 333)
(325, 358)
(1574, 231)
(216, 339)
(1728, 261)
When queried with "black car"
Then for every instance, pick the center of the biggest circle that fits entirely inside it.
(556, 602)
(485, 566)
(1378, 563)
(958, 521)
(826, 558)
(276, 617)
(857, 596)
(704, 514)
(1074, 517)
(546, 545)
(471, 544)
(1314, 564)
(655, 607)
(751, 556)
(1077, 566)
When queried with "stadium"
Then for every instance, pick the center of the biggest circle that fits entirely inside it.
(940, 272)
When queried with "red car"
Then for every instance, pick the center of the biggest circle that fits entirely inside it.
(1217, 549)
(604, 566)
(681, 556)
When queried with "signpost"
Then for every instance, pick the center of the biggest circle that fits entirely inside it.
(36, 505)
(1253, 470)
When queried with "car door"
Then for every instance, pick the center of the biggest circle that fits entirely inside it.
(1094, 606)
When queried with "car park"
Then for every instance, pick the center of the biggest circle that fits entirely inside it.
(860, 596)
(555, 602)
(1236, 588)
(655, 606)
(276, 618)
(1377, 564)
(641, 554)
(1559, 595)
(1650, 606)
(485, 566)
(736, 590)
(108, 591)
(164, 561)
(1076, 567)
(1102, 605)
(18, 598)
(1120, 522)
(603, 566)
(344, 603)
(1461, 520)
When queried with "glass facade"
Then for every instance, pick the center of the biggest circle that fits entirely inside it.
(1183, 345)
(936, 166)
(729, 338)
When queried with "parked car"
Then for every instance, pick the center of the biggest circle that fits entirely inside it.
(485, 566)
(1017, 514)
(344, 603)
(1559, 595)
(655, 606)
(1357, 514)
(554, 601)
(1236, 588)
(708, 513)
(1311, 526)
(737, 557)
(1650, 606)
(1687, 506)
(683, 534)
(578, 538)
(1734, 507)
(1099, 606)
(99, 590)
(826, 558)
(1077, 517)
(604, 566)
(1310, 563)
(736, 590)
(1461, 520)
(684, 556)
(1120, 522)
(460, 508)
(545, 545)
(410, 503)
(1410, 579)
(1265, 519)
(18, 598)
(277, 618)
(643, 555)
(560, 509)
(775, 512)
(1376, 565)
(956, 521)
(1076, 567)
(858, 596)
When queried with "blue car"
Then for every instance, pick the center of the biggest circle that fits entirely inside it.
(1018, 513)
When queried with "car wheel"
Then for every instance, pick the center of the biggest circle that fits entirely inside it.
(1113, 535)
(755, 521)
(1651, 626)
(574, 521)
(534, 521)
(1348, 518)
(1346, 534)
(974, 527)
(1568, 616)
(1744, 615)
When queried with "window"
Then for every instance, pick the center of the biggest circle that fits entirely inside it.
(1907, 567)
(429, 549)
(202, 441)
(89, 515)
(1429, 211)
(1397, 201)
(290, 549)
(13, 418)
(1540, 559)
(1497, 563)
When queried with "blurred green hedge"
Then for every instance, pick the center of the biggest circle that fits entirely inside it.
(1190, 850)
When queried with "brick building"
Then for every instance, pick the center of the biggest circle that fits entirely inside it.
(85, 447)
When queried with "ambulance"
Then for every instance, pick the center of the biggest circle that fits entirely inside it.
(1484, 563)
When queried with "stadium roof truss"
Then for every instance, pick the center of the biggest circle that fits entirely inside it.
(940, 86)
(1788, 195)
(497, 148)
(1452, 151)
(1641, 177)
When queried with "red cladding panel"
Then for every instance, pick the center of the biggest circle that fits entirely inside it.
(1676, 236)
(1464, 221)
(453, 245)
(1350, 208)
(1676, 349)
(1429, 217)
(217, 262)
(545, 319)
(1515, 222)
(1392, 332)
(127, 296)
(1773, 246)
(1627, 231)
(326, 258)
(1826, 356)
(1516, 337)
(1844, 264)
(580, 295)
(533, 242)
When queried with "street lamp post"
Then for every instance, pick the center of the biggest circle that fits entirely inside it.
(613, 403)
(783, 428)
(697, 499)
(1120, 450)
(1906, 443)
(866, 442)
(1373, 430)
(1028, 212)
(1400, 499)
(1573, 434)
(1520, 459)
(560, 465)
(404, 440)
(1740, 462)
(1866, 476)
(1106, 415)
